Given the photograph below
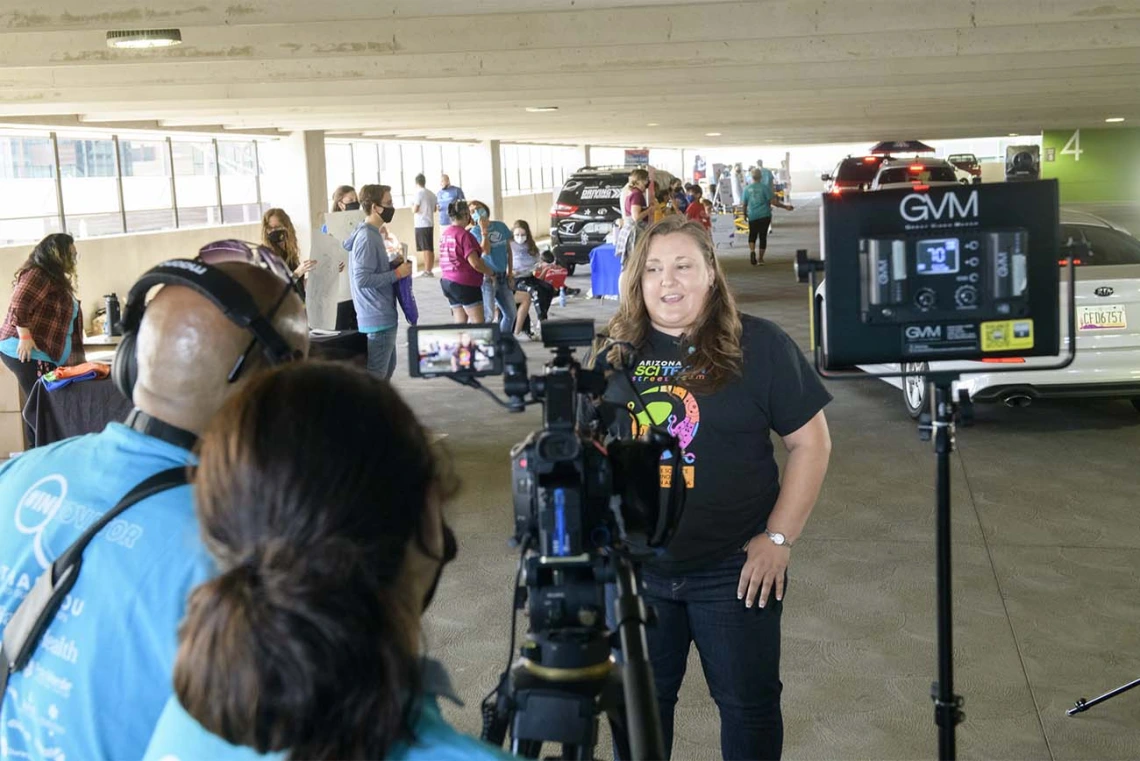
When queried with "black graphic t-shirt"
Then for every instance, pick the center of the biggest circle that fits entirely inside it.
(729, 464)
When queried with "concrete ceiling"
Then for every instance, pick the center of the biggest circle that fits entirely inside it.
(786, 71)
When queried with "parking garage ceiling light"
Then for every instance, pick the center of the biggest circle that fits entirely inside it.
(653, 124)
(540, 109)
(1114, 119)
(712, 134)
(144, 38)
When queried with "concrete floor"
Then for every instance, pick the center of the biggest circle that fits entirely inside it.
(1046, 552)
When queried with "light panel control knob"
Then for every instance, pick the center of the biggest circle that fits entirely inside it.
(925, 298)
(966, 296)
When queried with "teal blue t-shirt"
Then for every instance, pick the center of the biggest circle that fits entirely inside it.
(179, 737)
(758, 200)
(500, 236)
(101, 676)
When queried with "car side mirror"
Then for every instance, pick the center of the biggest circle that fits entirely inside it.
(825, 177)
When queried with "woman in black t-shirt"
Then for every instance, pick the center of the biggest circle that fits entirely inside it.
(720, 381)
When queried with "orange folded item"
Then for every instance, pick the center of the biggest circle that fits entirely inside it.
(100, 370)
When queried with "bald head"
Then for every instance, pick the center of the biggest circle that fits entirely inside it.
(187, 347)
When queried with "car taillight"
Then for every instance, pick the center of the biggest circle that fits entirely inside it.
(916, 167)
(870, 159)
(920, 187)
(1004, 360)
(562, 210)
(1065, 262)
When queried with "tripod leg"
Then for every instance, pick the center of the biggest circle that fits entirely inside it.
(1084, 705)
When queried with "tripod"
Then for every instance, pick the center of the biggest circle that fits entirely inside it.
(1084, 704)
(564, 679)
(940, 425)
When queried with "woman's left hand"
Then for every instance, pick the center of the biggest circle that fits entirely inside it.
(305, 268)
(763, 572)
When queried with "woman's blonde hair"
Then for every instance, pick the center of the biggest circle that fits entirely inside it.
(289, 251)
(711, 348)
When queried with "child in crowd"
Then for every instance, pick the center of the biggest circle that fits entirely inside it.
(697, 210)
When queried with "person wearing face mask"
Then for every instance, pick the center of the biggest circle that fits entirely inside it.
(498, 288)
(371, 276)
(280, 237)
(528, 288)
(344, 199)
(308, 643)
(731, 379)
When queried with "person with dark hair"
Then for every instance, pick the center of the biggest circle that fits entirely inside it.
(308, 643)
(344, 199)
(721, 381)
(524, 260)
(44, 325)
(498, 288)
(371, 277)
(280, 237)
(635, 209)
(100, 677)
(697, 211)
(759, 198)
(448, 194)
(423, 211)
(461, 266)
(680, 200)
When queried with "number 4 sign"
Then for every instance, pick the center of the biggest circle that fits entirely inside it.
(1073, 147)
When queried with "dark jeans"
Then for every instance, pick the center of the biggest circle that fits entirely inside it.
(382, 353)
(739, 649)
(27, 373)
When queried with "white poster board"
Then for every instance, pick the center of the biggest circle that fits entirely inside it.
(723, 230)
(327, 285)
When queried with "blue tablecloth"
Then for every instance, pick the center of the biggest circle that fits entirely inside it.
(605, 268)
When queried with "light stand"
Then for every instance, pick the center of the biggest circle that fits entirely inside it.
(1083, 705)
(939, 425)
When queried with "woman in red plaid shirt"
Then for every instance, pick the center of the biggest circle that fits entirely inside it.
(44, 326)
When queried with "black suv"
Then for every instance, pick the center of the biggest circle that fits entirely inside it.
(585, 212)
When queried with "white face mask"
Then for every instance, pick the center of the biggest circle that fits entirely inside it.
(520, 237)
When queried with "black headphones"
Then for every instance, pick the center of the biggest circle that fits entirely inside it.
(222, 290)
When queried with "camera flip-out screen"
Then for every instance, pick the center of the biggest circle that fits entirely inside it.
(955, 273)
(449, 349)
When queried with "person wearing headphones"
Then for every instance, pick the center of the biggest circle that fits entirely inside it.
(99, 676)
(309, 643)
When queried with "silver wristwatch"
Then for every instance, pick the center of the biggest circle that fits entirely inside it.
(778, 539)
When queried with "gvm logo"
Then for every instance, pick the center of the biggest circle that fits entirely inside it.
(920, 207)
(923, 332)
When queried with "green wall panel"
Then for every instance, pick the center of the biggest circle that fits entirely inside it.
(1093, 165)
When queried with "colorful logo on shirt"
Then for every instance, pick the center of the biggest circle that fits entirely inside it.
(671, 406)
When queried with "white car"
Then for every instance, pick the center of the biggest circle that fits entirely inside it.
(1107, 364)
(907, 173)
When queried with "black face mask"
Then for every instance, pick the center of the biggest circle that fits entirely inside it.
(352, 206)
(450, 550)
(277, 237)
(386, 213)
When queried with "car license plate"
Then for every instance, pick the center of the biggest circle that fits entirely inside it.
(599, 227)
(1106, 317)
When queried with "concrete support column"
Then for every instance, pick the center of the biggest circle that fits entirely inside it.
(296, 182)
(496, 159)
(586, 155)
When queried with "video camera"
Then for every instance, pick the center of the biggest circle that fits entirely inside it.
(585, 513)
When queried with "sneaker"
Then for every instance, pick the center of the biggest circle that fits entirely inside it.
(523, 337)
(752, 257)
(760, 262)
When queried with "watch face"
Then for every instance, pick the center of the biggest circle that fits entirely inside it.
(777, 538)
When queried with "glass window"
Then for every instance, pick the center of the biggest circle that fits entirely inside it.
(28, 208)
(525, 164)
(451, 166)
(547, 168)
(338, 166)
(510, 159)
(412, 161)
(195, 184)
(1109, 247)
(392, 170)
(433, 166)
(237, 164)
(366, 164)
(146, 185)
(90, 186)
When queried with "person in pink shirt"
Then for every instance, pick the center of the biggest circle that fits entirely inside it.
(461, 266)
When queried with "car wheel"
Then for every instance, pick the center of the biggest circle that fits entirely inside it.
(570, 268)
(915, 388)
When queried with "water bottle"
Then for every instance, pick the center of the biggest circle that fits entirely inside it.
(562, 296)
(111, 324)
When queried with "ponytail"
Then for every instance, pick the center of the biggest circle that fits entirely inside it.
(297, 651)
